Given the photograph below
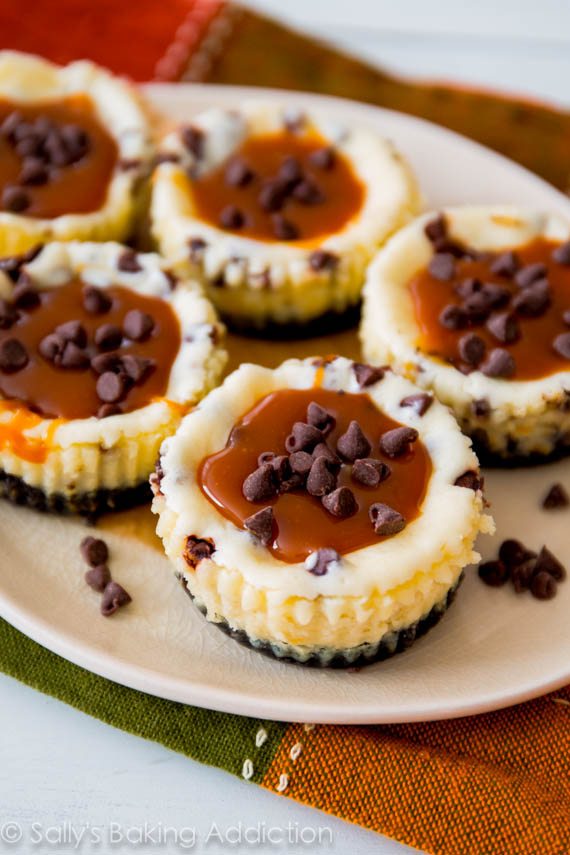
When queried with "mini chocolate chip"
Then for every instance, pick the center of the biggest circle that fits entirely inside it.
(281, 467)
(453, 317)
(94, 551)
(442, 266)
(436, 229)
(137, 325)
(128, 262)
(504, 326)
(303, 437)
(512, 553)
(530, 273)
(533, 301)
(290, 171)
(196, 246)
(260, 524)
(15, 199)
(95, 300)
(111, 387)
(471, 348)
(73, 357)
(385, 520)
(557, 497)
(421, 402)
(108, 337)
(261, 484)
(481, 408)
(496, 296)
(231, 217)
(284, 229)
(493, 573)
(522, 575)
(197, 549)
(352, 443)
(294, 482)
(24, 295)
(137, 367)
(561, 345)
(33, 172)
(318, 563)
(543, 586)
(107, 362)
(193, 139)
(307, 192)
(561, 255)
(477, 307)
(238, 173)
(320, 418)
(73, 331)
(107, 410)
(13, 356)
(548, 563)
(265, 457)
(51, 347)
(397, 441)
(467, 287)
(301, 462)
(369, 471)
(499, 363)
(323, 158)
(114, 597)
(506, 264)
(321, 479)
(272, 195)
(8, 315)
(321, 260)
(367, 375)
(471, 480)
(340, 503)
(98, 577)
(321, 449)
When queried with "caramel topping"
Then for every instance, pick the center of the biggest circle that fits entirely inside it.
(69, 370)
(302, 523)
(280, 186)
(13, 433)
(55, 157)
(505, 313)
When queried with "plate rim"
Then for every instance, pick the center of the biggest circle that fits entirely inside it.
(194, 691)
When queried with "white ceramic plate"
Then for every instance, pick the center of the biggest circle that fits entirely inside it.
(493, 648)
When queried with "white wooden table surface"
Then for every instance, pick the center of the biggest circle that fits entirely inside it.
(61, 769)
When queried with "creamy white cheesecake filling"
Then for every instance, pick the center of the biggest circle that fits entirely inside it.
(274, 280)
(25, 78)
(529, 416)
(371, 591)
(83, 455)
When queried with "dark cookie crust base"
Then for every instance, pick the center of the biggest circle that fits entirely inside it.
(512, 459)
(396, 643)
(326, 324)
(89, 505)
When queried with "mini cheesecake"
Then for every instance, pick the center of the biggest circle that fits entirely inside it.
(74, 144)
(102, 352)
(278, 213)
(473, 304)
(322, 512)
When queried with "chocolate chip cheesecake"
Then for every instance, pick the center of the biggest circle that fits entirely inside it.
(473, 304)
(74, 144)
(278, 213)
(101, 353)
(322, 512)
